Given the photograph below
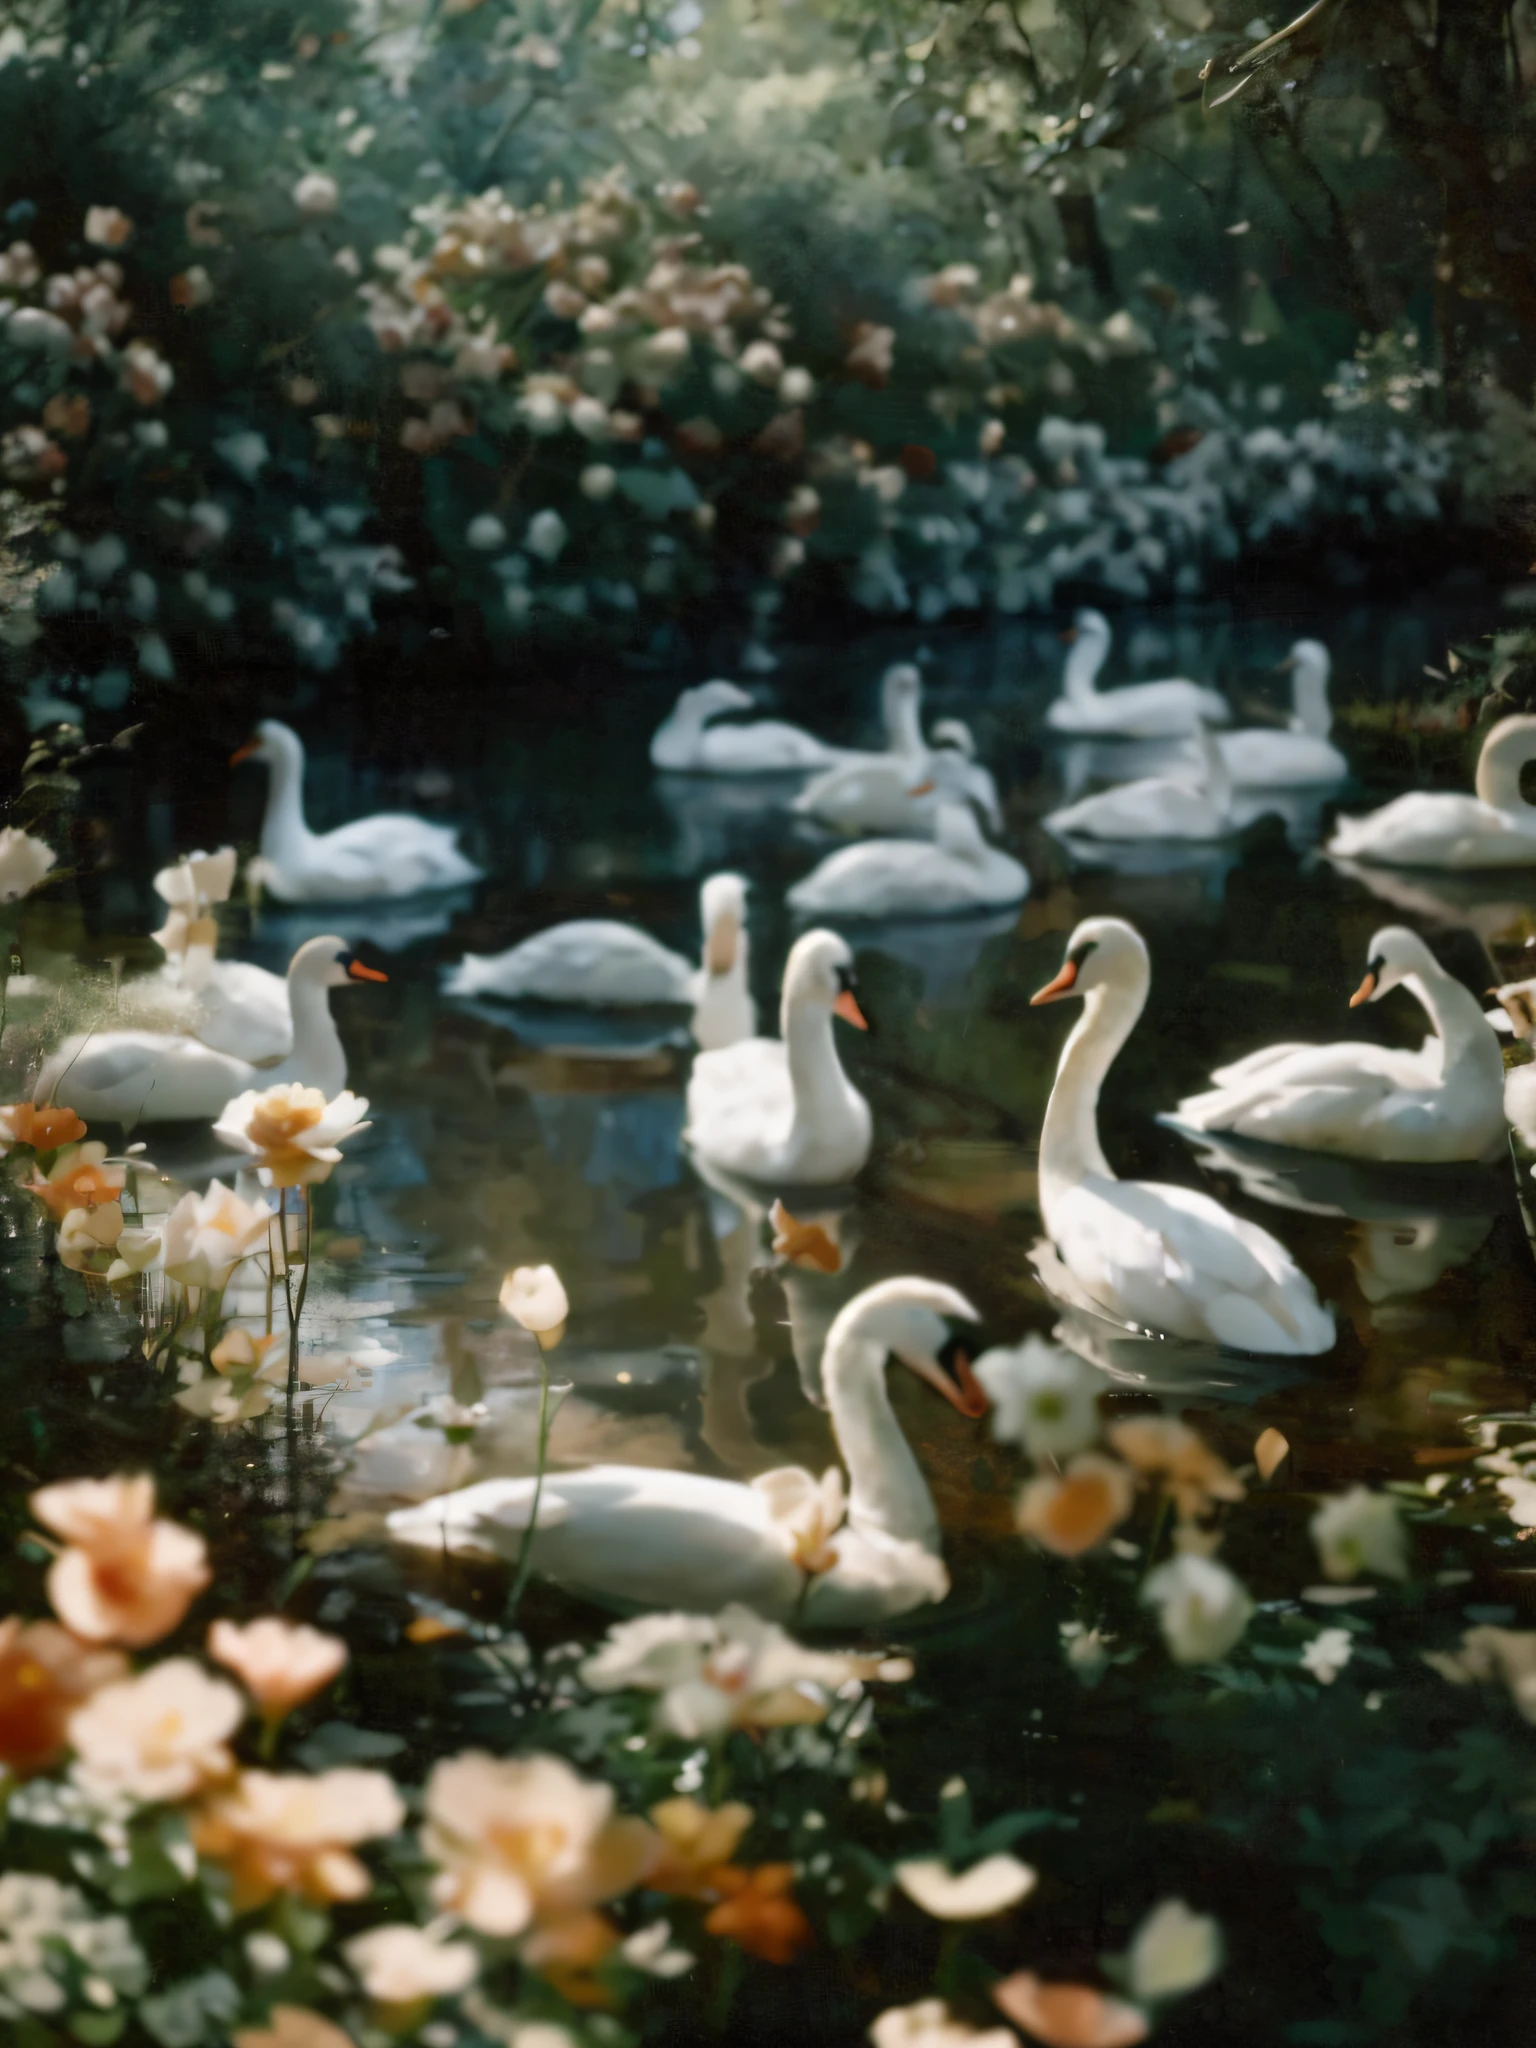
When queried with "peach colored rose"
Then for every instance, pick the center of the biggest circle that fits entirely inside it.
(280, 1663)
(293, 1833)
(1073, 1513)
(124, 1575)
(159, 1736)
(1069, 2015)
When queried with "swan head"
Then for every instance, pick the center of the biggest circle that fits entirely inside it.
(1088, 625)
(722, 914)
(271, 742)
(330, 963)
(901, 684)
(909, 1319)
(956, 830)
(1518, 1000)
(819, 975)
(713, 699)
(1393, 955)
(1308, 658)
(1101, 953)
(956, 736)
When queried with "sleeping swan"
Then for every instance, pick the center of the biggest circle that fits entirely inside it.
(128, 1077)
(389, 854)
(1157, 1258)
(632, 1536)
(1137, 711)
(687, 743)
(954, 872)
(602, 964)
(1430, 829)
(781, 1110)
(1444, 1102)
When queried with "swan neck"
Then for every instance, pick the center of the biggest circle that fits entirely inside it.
(1084, 660)
(283, 827)
(816, 1077)
(1498, 768)
(317, 1057)
(1311, 711)
(1456, 1016)
(904, 728)
(1069, 1137)
(886, 1487)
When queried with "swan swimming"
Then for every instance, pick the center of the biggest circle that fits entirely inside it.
(1433, 829)
(1260, 759)
(1144, 711)
(603, 964)
(1443, 1102)
(632, 1536)
(1193, 802)
(389, 854)
(954, 872)
(781, 1110)
(128, 1077)
(900, 790)
(686, 742)
(1155, 1257)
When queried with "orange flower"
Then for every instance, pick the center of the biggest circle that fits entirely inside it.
(124, 1576)
(1195, 1477)
(1077, 1511)
(567, 1949)
(45, 1673)
(1069, 2015)
(78, 1179)
(276, 1833)
(43, 1126)
(292, 2026)
(758, 1912)
(696, 1841)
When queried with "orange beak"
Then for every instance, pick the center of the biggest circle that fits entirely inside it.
(1067, 635)
(243, 753)
(924, 788)
(969, 1396)
(359, 972)
(847, 1008)
(1364, 992)
(1053, 991)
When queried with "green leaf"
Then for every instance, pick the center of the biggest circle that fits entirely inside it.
(335, 1742)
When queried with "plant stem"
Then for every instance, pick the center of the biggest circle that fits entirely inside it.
(525, 1554)
(295, 1307)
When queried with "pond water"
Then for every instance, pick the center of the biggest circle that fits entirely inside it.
(1340, 1832)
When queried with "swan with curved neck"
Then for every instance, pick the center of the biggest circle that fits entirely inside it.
(1443, 1102)
(391, 853)
(130, 1077)
(902, 789)
(1260, 759)
(1496, 828)
(782, 1110)
(1156, 1257)
(688, 742)
(1143, 711)
(1192, 803)
(603, 964)
(632, 1536)
(955, 872)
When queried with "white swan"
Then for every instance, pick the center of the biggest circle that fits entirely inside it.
(1159, 1258)
(782, 1110)
(390, 854)
(900, 790)
(602, 964)
(1259, 759)
(1193, 802)
(631, 1536)
(1443, 1102)
(954, 872)
(129, 1077)
(686, 742)
(1144, 711)
(1430, 829)
(1517, 1017)
(232, 1005)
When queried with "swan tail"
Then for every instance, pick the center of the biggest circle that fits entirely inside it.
(1293, 1326)
(478, 1518)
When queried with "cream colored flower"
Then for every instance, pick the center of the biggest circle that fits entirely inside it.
(159, 1736)
(1164, 1449)
(1327, 1654)
(1175, 1951)
(534, 1297)
(135, 1252)
(124, 1576)
(805, 1514)
(316, 195)
(23, 863)
(107, 226)
(1203, 1609)
(398, 1964)
(519, 1839)
(930, 2024)
(1043, 1397)
(86, 1238)
(1360, 1531)
(198, 879)
(278, 1832)
(1487, 1653)
(280, 1663)
(206, 1236)
(292, 1131)
(991, 1886)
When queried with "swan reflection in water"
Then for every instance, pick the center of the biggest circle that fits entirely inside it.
(1487, 904)
(279, 929)
(943, 950)
(1414, 1223)
(718, 819)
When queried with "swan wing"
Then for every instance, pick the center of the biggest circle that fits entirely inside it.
(1430, 829)
(244, 1011)
(1257, 759)
(590, 960)
(766, 746)
(134, 1074)
(390, 853)
(1156, 808)
(740, 1102)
